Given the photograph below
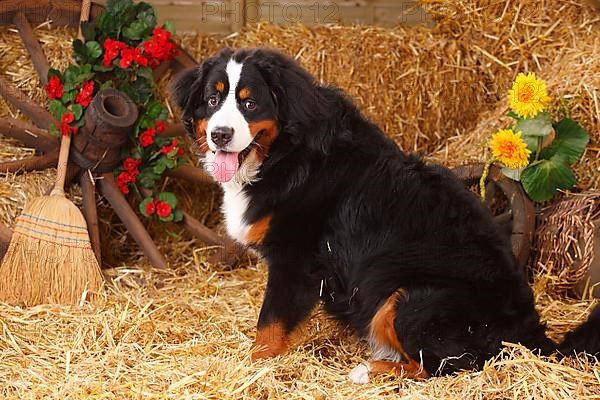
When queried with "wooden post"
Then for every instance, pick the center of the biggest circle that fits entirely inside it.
(110, 190)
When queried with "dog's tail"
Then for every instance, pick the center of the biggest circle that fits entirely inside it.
(585, 338)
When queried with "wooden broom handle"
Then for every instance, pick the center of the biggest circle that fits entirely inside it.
(65, 143)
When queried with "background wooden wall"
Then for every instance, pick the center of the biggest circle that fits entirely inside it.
(226, 16)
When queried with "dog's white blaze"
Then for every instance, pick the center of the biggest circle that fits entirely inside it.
(229, 114)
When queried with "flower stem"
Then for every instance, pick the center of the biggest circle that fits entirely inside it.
(484, 175)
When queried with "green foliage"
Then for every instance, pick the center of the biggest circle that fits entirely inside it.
(543, 178)
(569, 143)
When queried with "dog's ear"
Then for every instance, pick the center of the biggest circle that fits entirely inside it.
(299, 101)
(294, 89)
(187, 86)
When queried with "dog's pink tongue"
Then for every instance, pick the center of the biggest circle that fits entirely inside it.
(226, 165)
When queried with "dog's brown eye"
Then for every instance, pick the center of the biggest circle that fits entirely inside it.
(213, 101)
(249, 105)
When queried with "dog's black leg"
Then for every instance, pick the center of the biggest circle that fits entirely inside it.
(291, 295)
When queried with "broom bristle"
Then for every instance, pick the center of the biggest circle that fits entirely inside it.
(49, 259)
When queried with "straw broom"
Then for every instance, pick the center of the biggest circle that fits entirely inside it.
(50, 258)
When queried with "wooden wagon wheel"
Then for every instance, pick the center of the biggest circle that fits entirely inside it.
(513, 210)
(95, 151)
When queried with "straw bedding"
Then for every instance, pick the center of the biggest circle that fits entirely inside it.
(186, 333)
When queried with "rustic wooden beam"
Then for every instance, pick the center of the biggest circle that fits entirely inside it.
(191, 174)
(90, 211)
(111, 192)
(38, 115)
(30, 135)
(60, 12)
(5, 235)
(36, 163)
(38, 58)
(174, 130)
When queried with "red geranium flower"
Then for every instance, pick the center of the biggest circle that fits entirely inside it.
(163, 209)
(150, 208)
(55, 88)
(65, 129)
(123, 181)
(146, 138)
(111, 50)
(159, 47)
(160, 126)
(67, 118)
(131, 165)
(130, 55)
(169, 148)
(84, 97)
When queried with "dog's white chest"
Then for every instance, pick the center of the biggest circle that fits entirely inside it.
(235, 204)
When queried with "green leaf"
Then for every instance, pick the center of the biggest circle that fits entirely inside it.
(93, 49)
(147, 178)
(154, 110)
(177, 215)
(143, 204)
(77, 111)
(569, 143)
(513, 114)
(69, 96)
(541, 125)
(57, 109)
(169, 26)
(106, 85)
(88, 28)
(542, 178)
(80, 51)
(54, 131)
(160, 166)
(54, 72)
(169, 197)
(514, 174)
(168, 219)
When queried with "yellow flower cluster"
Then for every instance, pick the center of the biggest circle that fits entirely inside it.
(528, 95)
(509, 148)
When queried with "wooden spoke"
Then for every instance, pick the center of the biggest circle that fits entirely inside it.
(191, 174)
(503, 218)
(36, 163)
(31, 136)
(90, 211)
(110, 190)
(42, 118)
(174, 130)
(38, 58)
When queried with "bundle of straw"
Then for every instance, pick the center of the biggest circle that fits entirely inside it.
(50, 258)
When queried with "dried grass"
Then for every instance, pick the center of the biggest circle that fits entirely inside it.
(187, 333)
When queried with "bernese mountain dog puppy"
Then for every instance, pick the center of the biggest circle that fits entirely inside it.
(396, 249)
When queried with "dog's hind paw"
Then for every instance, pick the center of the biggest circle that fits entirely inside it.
(360, 373)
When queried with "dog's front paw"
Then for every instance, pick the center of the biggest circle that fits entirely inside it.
(360, 373)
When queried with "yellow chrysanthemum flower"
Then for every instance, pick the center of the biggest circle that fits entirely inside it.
(508, 148)
(528, 95)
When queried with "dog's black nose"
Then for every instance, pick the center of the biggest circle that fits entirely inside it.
(221, 135)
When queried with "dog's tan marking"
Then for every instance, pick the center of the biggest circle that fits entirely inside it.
(384, 333)
(244, 93)
(258, 230)
(219, 87)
